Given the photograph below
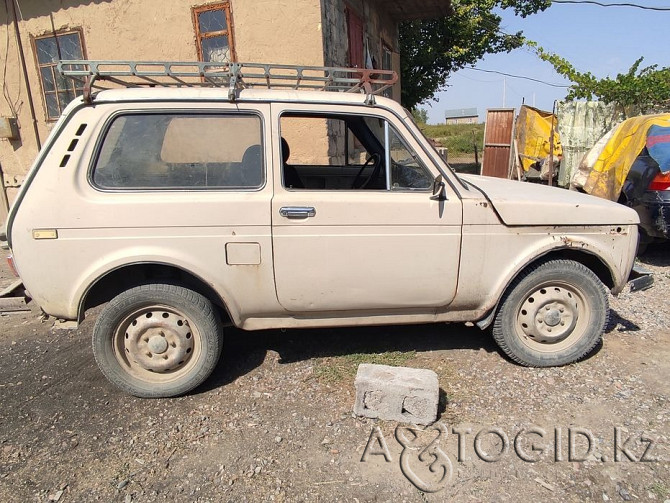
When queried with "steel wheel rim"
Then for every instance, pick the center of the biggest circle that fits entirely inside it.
(157, 344)
(552, 317)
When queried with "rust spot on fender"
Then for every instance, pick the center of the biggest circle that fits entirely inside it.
(569, 242)
(619, 230)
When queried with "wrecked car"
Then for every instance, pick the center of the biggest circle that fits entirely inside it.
(187, 209)
(647, 187)
(631, 165)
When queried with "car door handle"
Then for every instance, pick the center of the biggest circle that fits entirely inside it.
(297, 211)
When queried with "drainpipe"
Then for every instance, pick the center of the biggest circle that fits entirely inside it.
(25, 76)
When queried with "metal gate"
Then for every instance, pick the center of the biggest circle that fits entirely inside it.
(498, 138)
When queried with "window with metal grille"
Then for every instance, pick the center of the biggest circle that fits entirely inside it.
(214, 32)
(57, 90)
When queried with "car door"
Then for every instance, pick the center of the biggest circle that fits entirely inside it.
(379, 246)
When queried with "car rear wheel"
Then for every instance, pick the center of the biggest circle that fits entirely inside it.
(553, 314)
(157, 340)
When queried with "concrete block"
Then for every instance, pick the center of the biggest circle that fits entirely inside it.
(399, 394)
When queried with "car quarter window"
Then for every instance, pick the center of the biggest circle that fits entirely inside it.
(347, 152)
(181, 150)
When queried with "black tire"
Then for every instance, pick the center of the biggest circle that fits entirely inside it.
(157, 340)
(553, 314)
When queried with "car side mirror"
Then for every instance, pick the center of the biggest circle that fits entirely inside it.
(439, 190)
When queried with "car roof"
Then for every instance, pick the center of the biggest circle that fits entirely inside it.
(221, 94)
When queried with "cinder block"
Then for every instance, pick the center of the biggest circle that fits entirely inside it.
(396, 393)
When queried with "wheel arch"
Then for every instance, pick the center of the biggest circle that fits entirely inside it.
(590, 260)
(123, 277)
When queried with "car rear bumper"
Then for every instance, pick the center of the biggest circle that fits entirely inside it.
(657, 204)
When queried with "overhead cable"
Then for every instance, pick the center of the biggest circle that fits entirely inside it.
(517, 76)
(622, 4)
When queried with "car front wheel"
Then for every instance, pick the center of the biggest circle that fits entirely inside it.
(157, 340)
(552, 314)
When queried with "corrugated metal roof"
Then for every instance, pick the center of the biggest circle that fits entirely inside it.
(457, 113)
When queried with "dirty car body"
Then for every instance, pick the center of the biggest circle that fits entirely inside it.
(183, 210)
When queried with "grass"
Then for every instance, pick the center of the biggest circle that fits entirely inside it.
(338, 368)
(457, 138)
(659, 489)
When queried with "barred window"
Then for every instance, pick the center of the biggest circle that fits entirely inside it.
(57, 90)
(214, 34)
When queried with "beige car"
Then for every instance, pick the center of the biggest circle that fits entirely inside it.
(186, 209)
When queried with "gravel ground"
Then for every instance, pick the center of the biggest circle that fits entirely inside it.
(274, 423)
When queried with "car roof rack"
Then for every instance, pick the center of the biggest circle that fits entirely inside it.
(233, 75)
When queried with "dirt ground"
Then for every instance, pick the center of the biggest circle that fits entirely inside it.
(275, 423)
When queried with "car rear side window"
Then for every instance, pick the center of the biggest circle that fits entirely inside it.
(181, 151)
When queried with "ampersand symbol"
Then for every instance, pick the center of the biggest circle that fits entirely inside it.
(431, 457)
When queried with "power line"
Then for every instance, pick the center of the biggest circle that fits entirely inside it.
(476, 80)
(593, 2)
(516, 76)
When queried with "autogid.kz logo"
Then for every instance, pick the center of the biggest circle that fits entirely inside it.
(425, 462)
(422, 459)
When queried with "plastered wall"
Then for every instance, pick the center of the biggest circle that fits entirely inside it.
(282, 31)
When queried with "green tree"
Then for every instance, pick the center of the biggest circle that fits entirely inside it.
(432, 49)
(639, 90)
(420, 115)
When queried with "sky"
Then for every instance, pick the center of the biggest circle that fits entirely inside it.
(602, 40)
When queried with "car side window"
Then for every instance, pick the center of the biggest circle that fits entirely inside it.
(181, 151)
(407, 170)
(347, 152)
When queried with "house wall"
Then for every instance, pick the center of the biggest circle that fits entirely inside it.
(462, 120)
(379, 29)
(263, 31)
(378, 26)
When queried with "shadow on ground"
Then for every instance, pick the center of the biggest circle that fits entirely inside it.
(657, 254)
(620, 324)
(244, 351)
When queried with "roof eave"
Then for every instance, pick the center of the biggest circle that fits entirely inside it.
(412, 10)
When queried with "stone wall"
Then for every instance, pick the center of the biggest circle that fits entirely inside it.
(378, 30)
